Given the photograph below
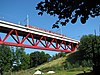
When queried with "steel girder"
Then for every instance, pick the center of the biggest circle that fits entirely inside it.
(36, 41)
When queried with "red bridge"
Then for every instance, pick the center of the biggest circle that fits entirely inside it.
(32, 37)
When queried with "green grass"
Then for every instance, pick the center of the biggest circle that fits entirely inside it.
(65, 73)
(61, 72)
(56, 73)
(57, 62)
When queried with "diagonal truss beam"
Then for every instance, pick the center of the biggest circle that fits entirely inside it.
(37, 42)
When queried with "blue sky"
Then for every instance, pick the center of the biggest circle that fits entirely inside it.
(16, 11)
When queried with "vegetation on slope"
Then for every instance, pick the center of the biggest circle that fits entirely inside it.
(57, 65)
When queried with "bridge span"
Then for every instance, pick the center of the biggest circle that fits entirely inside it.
(36, 38)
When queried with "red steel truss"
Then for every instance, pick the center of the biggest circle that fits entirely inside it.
(36, 41)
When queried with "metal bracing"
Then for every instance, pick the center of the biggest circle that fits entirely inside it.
(37, 41)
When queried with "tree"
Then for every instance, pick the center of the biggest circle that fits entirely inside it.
(5, 59)
(70, 10)
(13, 60)
(87, 55)
(22, 60)
(90, 50)
(25, 61)
(58, 55)
(38, 58)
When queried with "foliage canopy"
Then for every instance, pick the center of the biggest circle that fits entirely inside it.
(67, 10)
(38, 58)
(90, 50)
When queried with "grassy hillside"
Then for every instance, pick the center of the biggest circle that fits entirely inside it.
(45, 67)
(56, 65)
(57, 62)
